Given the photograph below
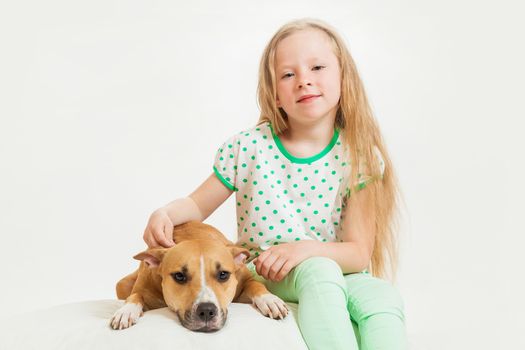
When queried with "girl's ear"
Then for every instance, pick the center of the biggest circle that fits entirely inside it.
(278, 103)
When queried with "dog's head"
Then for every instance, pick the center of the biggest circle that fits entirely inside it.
(198, 280)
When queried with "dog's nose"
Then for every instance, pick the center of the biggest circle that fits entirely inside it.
(207, 311)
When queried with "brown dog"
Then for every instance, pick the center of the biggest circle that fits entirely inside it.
(197, 279)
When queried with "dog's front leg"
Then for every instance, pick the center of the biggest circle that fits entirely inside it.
(128, 314)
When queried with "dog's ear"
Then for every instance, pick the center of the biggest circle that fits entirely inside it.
(152, 257)
(239, 255)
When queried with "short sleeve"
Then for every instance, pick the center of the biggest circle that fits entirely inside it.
(225, 164)
(364, 179)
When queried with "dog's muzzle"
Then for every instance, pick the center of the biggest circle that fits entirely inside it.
(204, 317)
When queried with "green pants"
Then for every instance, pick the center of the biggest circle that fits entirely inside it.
(336, 311)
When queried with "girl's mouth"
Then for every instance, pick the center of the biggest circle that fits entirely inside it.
(307, 98)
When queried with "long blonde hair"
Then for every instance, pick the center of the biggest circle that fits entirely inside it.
(360, 132)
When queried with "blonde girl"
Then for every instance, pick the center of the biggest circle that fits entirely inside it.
(315, 194)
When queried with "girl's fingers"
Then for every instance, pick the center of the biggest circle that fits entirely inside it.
(276, 268)
(266, 265)
(168, 232)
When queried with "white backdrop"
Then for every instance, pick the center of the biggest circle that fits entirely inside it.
(110, 109)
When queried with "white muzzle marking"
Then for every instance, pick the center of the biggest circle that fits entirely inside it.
(206, 294)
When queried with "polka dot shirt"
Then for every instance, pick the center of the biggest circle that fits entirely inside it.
(281, 198)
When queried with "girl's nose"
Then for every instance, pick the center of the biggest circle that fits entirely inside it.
(303, 80)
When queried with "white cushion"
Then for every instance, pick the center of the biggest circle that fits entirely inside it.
(85, 325)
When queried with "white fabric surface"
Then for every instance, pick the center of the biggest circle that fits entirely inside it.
(85, 325)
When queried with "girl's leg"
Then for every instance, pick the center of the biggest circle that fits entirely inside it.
(318, 286)
(377, 308)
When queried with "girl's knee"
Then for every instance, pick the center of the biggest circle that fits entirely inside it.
(319, 266)
(377, 296)
(318, 270)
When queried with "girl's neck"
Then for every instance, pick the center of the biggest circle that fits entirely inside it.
(315, 134)
(303, 141)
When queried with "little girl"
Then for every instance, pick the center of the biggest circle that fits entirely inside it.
(315, 194)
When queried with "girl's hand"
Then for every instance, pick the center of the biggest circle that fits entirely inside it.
(276, 262)
(159, 231)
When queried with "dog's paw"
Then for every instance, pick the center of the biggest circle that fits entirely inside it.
(126, 316)
(271, 306)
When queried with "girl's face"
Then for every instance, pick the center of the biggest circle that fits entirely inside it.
(308, 76)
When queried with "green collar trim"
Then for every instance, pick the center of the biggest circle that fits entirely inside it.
(304, 160)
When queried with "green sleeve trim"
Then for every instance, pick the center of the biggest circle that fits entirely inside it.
(224, 181)
(362, 185)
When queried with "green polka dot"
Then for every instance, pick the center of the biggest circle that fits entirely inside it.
(323, 221)
(256, 208)
(260, 233)
(244, 165)
(298, 210)
(258, 167)
(290, 230)
(282, 221)
(333, 172)
(295, 185)
(244, 149)
(255, 182)
(305, 178)
(297, 239)
(283, 166)
(330, 188)
(267, 202)
(302, 194)
(271, 227)
(264, 218)
(253, 224)
(312, 188)
(316, 212)
(276, 156)
(260, 192)
(245, 180)
(299, 170)
(278, 237)
(326, 205)
(312, 228)
(251, 239)
(275, 212)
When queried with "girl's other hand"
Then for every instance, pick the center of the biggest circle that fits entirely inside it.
(276, 262)
(159, 231)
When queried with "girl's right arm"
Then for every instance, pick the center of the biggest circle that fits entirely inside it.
(197, 206)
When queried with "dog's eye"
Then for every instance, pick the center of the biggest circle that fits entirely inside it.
(179, 277)
(223, 276)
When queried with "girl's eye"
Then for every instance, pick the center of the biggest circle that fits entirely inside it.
(318, 67)
(287, 75)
